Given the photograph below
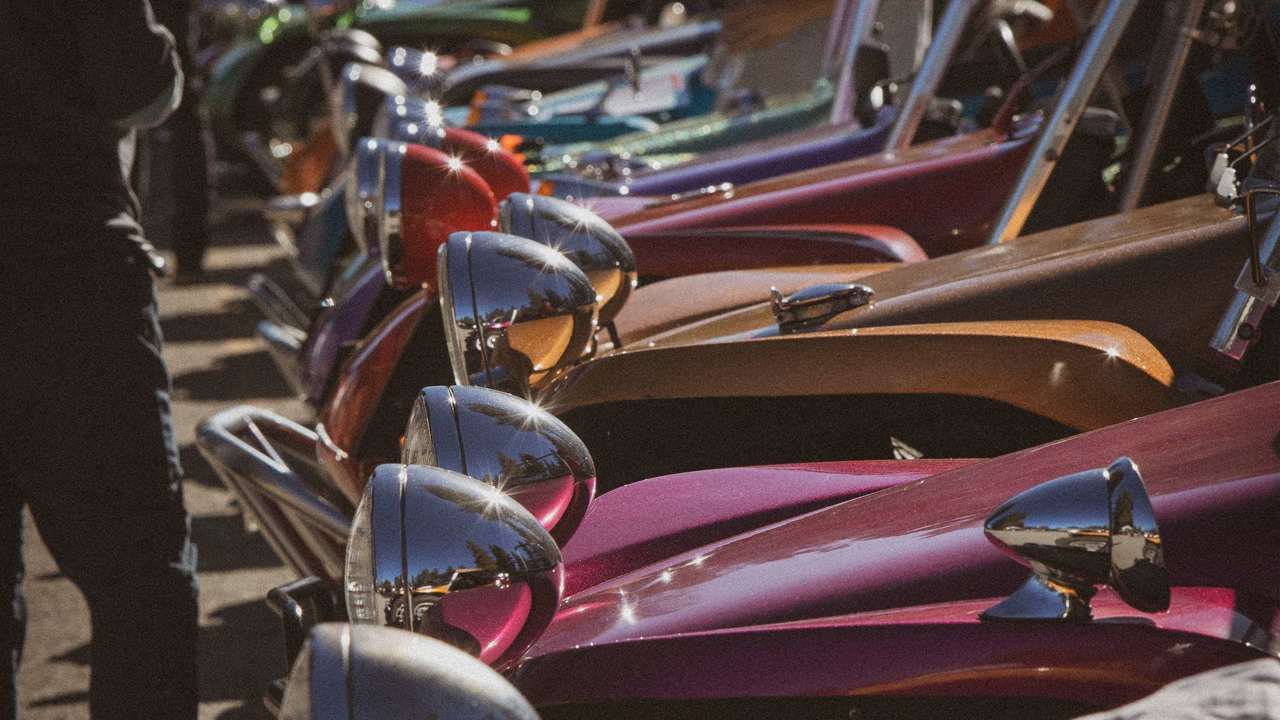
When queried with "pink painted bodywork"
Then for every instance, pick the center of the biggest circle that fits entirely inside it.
(939, 650)
(644, 522)
(1214, 477)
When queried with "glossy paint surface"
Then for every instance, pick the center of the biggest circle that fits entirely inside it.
(641, 523)
(1134, 269)
(750, 162)
(337, 325)
(901, 191)
(939, 650)
(1211, 468)
(346, 416)
(1083, 375)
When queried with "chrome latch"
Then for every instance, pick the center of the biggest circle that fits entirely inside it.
(817, 303)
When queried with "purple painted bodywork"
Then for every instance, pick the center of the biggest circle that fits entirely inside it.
(689, 510)
(793, 152)
(933, 650)
(1214, 480)
(335, 326)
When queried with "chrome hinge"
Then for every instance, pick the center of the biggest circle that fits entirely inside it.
(817, 303)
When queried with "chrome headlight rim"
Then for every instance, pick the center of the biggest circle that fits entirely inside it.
(426, 524)
(364, 190)
(390, 211)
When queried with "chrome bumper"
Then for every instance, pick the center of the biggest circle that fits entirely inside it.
(269, 462)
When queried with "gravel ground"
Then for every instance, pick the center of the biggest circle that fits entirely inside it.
(215, 362)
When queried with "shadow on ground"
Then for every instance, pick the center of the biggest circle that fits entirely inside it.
(250, 375)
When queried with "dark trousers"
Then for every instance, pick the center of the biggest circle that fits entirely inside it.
(188, 149)
(87, 443)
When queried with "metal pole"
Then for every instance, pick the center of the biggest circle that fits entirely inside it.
(932, 70)
(1160, 102)
(1072, 100)
(863, 20)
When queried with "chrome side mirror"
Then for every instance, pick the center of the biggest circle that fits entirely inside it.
(357, 672)
(509, 443)
(1076, 532)
(584, 237)
(445, 555)
(516, 313)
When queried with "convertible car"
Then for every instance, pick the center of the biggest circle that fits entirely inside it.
(974, 584)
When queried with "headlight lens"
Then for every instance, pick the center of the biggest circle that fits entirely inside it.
(371, 568)
(419, 445)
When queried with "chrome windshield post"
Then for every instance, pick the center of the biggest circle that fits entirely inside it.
(864, 20)
(934, 67)
(1070, 106)
(1179, 27)
(1257, 287)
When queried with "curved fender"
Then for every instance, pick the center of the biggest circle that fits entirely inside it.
(877, 659)
(661, 306)
(682, 252)
(1082, 374)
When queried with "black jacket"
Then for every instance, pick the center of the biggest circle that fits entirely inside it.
(73, 77)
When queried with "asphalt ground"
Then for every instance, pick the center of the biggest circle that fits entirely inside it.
(215, 362)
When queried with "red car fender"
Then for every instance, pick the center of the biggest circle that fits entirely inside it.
(504, 172)
(672, 253)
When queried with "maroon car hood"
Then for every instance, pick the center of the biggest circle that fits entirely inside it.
(1211, 468)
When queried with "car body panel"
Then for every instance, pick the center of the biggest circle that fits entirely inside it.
(939, 650)
(1134, 268)
(638, 524)
(1081, 374)
(1205, 467)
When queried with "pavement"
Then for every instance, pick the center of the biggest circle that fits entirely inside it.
(215, 362)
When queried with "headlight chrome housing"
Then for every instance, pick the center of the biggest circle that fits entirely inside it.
(426, 195)
(509, 443)
(585, 238)
(357, 99)
(352, 672)
(452, 558)
(364, 191)
(517, 313)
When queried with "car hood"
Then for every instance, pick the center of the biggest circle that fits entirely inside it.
(1215, 495)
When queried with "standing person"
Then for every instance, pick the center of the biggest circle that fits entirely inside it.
(86, 435)
(188, 152)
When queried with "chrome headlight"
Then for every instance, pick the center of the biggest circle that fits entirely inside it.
(419, 69)
(355, 672)
(364, 191)
(584, 237)
(509, 443)
(450, 557)
(358, 96)
(516, 313)
(426, 195)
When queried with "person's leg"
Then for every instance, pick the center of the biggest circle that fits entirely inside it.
(102, 480)
(12, 607)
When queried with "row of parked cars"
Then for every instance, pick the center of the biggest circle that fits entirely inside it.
(829, 358)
